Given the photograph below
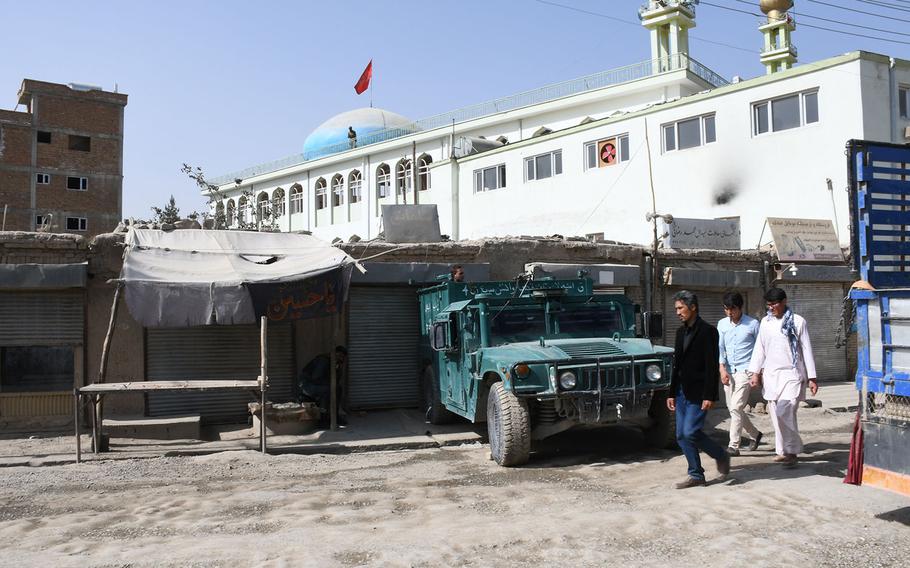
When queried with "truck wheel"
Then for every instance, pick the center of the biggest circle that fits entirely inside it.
(662, 431)
(436, 412)
(509, 427)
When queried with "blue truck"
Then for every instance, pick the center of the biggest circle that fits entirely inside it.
(533, 358)
(879, 185)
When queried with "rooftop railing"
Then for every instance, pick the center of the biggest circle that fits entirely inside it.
(539, 95)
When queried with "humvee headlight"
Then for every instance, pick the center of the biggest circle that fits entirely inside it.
(567, 380)
(653, 373)
(522, 371)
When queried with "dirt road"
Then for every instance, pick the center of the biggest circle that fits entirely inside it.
(586, 499)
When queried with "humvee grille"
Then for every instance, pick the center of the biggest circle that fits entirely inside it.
(593, 349)
(610, 377)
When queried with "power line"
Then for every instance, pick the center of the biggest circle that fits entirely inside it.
(898, 7)
(638, 24)
(805, 25)
(804, 15)
(857, 11)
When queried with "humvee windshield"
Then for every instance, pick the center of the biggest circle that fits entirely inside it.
(520, 323)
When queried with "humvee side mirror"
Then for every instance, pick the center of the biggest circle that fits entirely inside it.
(653, 324)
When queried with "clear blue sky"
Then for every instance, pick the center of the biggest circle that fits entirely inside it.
(227, 84)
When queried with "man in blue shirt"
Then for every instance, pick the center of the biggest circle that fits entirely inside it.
(738, 333)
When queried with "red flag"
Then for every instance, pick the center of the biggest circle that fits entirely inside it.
(364, 82)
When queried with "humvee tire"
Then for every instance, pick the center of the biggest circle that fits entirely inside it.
(509, 427)
(436, 412)
(662, 432)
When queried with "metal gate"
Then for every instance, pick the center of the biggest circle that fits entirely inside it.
(41, 318)
(383, 335)
(821, 304)
(213, 353)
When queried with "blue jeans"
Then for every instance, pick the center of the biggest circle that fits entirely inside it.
(690, 419)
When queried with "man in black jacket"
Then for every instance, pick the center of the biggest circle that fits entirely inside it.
(694, 386)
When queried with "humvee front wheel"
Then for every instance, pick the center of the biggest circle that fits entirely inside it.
(509, 427)
(662, 431)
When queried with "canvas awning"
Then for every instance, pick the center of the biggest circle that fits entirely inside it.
(198, 277)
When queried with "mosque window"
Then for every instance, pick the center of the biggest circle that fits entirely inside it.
(784, 113)
(607, 152)
(689, 133)
(296, 199)
(487, 179)
(262, 207)
(337, 190)
(423, 172)
(903, 101)
(278, 202)
(241, 210)
(383, 181)
(543, 166)
(231, 213)
(403, 177)
(321, 198)
(354, 182)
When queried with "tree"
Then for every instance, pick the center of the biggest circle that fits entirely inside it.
(259, 218)
(169, 214)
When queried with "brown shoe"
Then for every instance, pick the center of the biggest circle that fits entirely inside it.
(790, 460)
(691, 482)
(753, 445)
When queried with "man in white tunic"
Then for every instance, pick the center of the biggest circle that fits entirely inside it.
(782, 361)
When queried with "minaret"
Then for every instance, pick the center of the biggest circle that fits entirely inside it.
(669, 22)
(779, 52)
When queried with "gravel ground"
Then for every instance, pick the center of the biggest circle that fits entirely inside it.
(586, 499)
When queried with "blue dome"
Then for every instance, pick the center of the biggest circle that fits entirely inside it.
(332, 135)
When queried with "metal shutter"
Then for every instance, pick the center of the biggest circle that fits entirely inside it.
(217, 352)
(41, 318)
(383, 335)
(821, 304)
(710, 308)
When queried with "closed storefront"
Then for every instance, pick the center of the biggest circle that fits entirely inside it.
(383, 335)
(228, 352)
(821, 304)
(710, 308)
(41, 352)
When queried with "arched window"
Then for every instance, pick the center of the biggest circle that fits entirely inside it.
(296, 199)
(354, 180)
(337, 190)
(403, 176)
(321, 201)
(262, 207)
(219, 213)
(278, 203)
(423, 172)
(231, 213)
(241, 210)
(383, 181)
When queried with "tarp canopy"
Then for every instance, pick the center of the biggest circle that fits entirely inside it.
(195, 277)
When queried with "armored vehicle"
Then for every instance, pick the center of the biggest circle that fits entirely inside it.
(532, 358)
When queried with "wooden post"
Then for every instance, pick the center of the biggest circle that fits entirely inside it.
(76, 417)
(106, 348)
(96, 427)
(263, 378)
(333, 397)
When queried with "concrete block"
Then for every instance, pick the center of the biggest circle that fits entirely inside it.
(286, 418)
(143, 427)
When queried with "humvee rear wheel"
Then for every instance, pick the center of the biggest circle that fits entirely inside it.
(662, 431)
(436, 412)
(509, 427)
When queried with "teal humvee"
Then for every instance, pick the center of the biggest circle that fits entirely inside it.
(534, 358)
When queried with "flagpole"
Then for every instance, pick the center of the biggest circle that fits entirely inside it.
(371, 83)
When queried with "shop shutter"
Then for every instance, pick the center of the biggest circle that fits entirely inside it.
(383, 335)
(710, 308)
(821, 304)
(217, 353)
(41, 318)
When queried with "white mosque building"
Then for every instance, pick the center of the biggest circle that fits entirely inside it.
(579, 157)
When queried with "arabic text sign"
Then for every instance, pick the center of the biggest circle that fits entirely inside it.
(805, 239)
(721, 234)
(316, 296)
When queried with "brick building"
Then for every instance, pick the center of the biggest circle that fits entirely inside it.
(61, 161)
